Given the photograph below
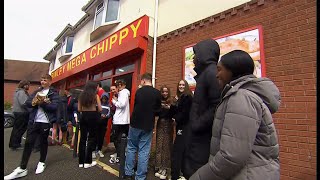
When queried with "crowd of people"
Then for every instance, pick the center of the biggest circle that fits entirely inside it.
(224, 130)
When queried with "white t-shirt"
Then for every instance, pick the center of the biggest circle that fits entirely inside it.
(122, 114)
(41, 116)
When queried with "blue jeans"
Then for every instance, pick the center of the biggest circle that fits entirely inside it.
(138, 140)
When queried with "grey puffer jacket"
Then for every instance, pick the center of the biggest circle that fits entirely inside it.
(244, 143)
(19, 100)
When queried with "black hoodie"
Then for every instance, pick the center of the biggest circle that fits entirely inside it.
(206, 98)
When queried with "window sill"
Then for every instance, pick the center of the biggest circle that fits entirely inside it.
(101, 30)
(64, 57)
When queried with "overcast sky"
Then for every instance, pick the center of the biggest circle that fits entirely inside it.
(30, 26)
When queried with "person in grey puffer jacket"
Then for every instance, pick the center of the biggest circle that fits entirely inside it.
(21, 114)
(244, 143)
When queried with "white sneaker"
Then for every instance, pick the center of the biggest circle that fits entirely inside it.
(17, 173)
(100, 154)
(40, 168)
(182, 178)
(163, 174)
(158, 174)
(90, 165)
(94, 155)
(114, 160)
(113, 155)
(80, 165)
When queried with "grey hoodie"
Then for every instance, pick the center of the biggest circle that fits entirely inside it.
(244, 144)
(19, 99)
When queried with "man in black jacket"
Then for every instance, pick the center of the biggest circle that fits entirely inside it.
(206, 98)
(43, 104)
(147, 105)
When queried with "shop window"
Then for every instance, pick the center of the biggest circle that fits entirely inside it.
(125, 69)
(106, 85)
(107, 12)
(107, 73)
(96, 76)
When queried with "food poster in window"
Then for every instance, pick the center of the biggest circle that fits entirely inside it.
(249, 40)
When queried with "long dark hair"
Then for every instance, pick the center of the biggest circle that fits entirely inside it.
(187, 90)
(88, 96)
(167, 100)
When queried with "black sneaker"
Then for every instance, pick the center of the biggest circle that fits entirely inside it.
(126, 177)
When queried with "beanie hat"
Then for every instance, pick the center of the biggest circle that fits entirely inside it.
(238, 62)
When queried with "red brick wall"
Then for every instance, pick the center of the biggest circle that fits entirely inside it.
(289, 35)
(10, 88)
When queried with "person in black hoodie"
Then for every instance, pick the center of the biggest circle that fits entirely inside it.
(206, 98)
(181, 118)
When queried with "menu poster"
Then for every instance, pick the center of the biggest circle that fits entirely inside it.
(248, 40)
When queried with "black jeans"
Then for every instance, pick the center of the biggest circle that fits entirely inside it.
(101, 131)
(177, 156)
(118, 130)
(88, 127)
(19, 128)
(34, 131)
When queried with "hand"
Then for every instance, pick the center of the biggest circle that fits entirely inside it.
(47, 100)
(103, 116)
(115, 98)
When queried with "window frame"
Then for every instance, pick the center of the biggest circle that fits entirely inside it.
(64, 45)
(104, 14)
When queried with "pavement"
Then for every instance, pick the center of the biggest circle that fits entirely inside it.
(62, 165)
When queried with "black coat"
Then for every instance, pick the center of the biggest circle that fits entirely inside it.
(50, 109)
(181, 115)
(205, 100)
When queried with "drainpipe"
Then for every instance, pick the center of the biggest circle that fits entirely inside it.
(155, 35)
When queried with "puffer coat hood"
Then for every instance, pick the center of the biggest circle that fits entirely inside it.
(244, 143)
(207, 52)
(263, 87)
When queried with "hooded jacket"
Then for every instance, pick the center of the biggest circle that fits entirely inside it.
(106, 110)
(206, 98)
(50, 109)
(19, 100)
(244, 144)
(122, 114)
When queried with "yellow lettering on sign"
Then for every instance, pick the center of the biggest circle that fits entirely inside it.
(84, 58)
(69, 66)
(100, 48)
(93, 51)
(107, 40)
(73, 62)
(113, 39)
(78, 62)
(123, 34)
(64, 67)
(135, 28)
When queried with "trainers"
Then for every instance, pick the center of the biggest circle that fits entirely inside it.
(80, 165)
(163, 174)
(114, 160)
(100, 154)
(17, 173)
(181, 178)
(113, 155)
(158, 174)
(40, 168)
(94, 155)
(90, 165)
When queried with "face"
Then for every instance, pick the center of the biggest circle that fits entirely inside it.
(165, 92)
(181, 86)
(113, 89)
(104, 99)
(26, 87)
(121, 86)
(142, 82)
(45, 83)
(224, 75)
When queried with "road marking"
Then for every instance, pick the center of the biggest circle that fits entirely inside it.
(101, 164)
